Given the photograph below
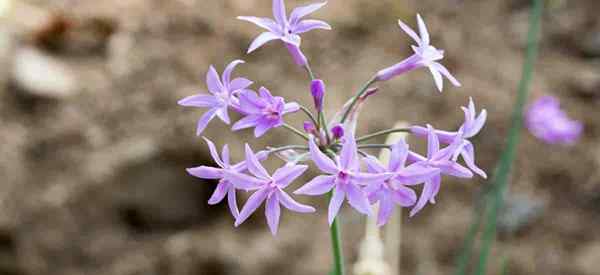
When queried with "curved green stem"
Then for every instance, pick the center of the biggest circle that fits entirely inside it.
(310, 116)
(373, 146)
(382, 133)
(356, 97)
(288, 147)
(336, 245)
(295, 131)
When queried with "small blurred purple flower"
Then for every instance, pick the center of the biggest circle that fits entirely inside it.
(222, 95)
(471, 127)
(287, 30)
(309, 127)
(224, 187)
(425, 56)
(317, 89)
(437, 158)
(343, 174)
(546, 121)
(269, 188)
(337, 131)
(263, 112)
(393, 190)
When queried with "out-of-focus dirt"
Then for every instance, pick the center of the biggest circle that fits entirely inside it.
(93, 178)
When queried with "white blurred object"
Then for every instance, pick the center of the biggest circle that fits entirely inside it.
(371, 259)
(41, 75)
(5, 6)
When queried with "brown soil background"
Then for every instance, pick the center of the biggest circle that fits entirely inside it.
(94, 183)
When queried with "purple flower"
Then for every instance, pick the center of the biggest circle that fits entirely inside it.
(309, 127)
(470, 128)
(337, 131)
(437, 158)
(344, 175)
(317, 89)
(393, 191)
(286, 29)
(222, 95)
(268, 188)
(224, 187)
(546, 121)
(425, 56)
(263, 112)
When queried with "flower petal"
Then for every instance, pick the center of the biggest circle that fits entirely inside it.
(213, 81)
(262, 126)
(213, 152)
(433, 143)
(302, 11)
(386, 208)
(289, 203)
(291, 107)
(232, 202)
(335, 203)
(225, 155)
(239, 83)
(204, 120)
(358, 199)
(226, 80)
(254, 166)
(468, 155)
(246, 122)
(223, 115)
(279, 12)
(206, 172)
(454, 169)
(286, 174)
(309, 25)
(426, 195)
(323, 162)
(373, 165)
(243, 181)
(408, 30)
(273, 212)
(440, 68)
(423, 30)
(317, 186)
(437, 77)
(199, 100)
(219, 193)
(404, 196)
(252, 204)
(263, 22)
(262, 39)
(398, 155)
(348, 154)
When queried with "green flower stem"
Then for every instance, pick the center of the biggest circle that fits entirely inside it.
(295, 131)
(382, 133)
(288, 147)
(336, 245)
(500, 182)
(310, 116)
(356, 97)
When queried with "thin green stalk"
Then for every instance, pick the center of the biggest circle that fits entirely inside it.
(357, 96)
(288, 147)
(509, 154)
(382, 133)
(310, 72)
(295, 131)
(336, 245)
(310, 116)
(467, 250)
(373, 146)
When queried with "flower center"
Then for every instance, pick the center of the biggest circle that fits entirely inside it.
(272, 113)
(343, 176)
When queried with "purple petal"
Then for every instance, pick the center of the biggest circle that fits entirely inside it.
(309, 25)
(433, 143)
(358, 199)
(300, 12)
(373, 165)
(252, 204)
(335, 203)
(265, 93)
(293, 205)
(408, 30)
(223, 115)
(323, 162)
(415, 174)
(440, 68)
(286, 174)
(437, 77)
(243, 181)
(219, 194)
(386, 208)
(423, 30)
(239, 83)
(213, 152)
(426, 195)
(317, 186)
(468, 156)
(228, 70)
(225, 155)
(348, 154)
(265, 23)
(205, 172)
(273, 212)
(291, 107)
(454, 169)
(404, 196)
(204, 120)
(263, 126)
(232, 202)
(367, 178)
(251, 103)
(200, 100)
(254, 166)
(398, 155)
(213, 81)
(246, 122)
(262, 39)
(279, 12)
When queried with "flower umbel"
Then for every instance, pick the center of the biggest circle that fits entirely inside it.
(425, 56)
(546, 121)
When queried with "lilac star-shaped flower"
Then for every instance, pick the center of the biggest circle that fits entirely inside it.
(425, 56)
(222, 95)
(344, 175)
(394, 190)
(441, 159)
(548, 122)
(269, 188)
(284, 28)
(471, 127)
(225, 187)
(263, 112)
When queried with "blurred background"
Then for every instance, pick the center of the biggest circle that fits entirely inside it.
(93, 146)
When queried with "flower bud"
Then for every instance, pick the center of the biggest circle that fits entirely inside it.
(337, 131)
(317, 89)
(309, 127)
(297, 55)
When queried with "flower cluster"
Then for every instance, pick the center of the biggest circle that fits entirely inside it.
(546, 121)
(347, 172)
